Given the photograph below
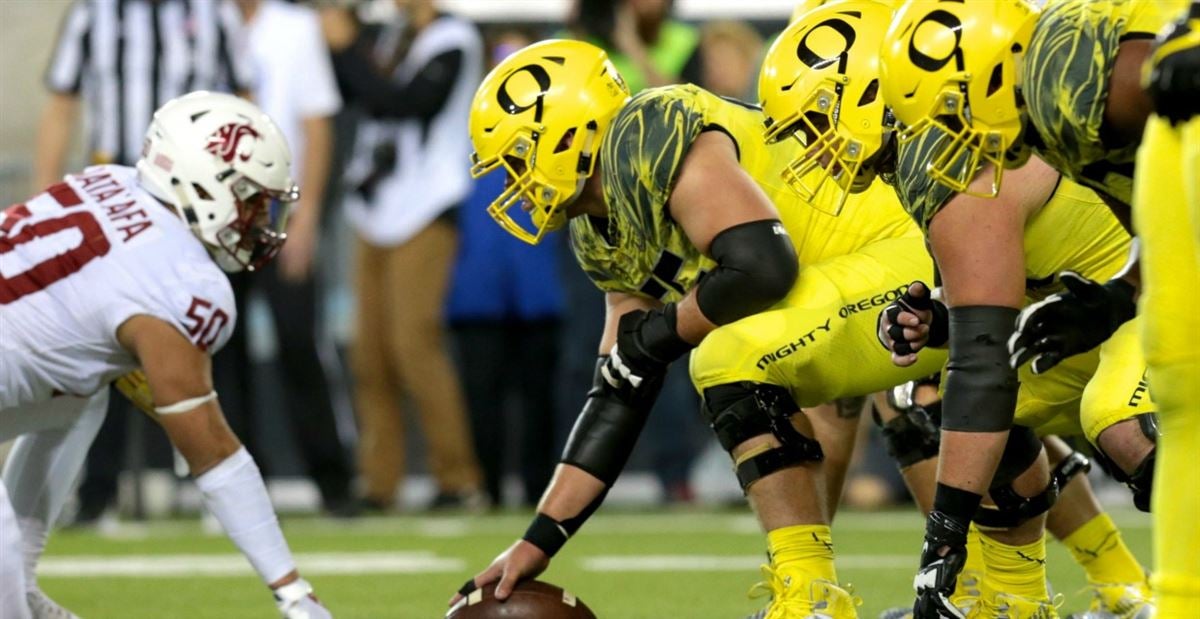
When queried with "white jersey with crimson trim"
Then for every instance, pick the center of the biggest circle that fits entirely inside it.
(79, 260)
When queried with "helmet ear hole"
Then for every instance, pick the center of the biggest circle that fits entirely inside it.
(565, 142)
(869, 94)
(996, 80)
(201, 193)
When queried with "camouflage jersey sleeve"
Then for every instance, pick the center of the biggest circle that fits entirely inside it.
(1066, 76)
(921, 196)
(639, 249)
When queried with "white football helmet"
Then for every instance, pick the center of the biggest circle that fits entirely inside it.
(226, 169)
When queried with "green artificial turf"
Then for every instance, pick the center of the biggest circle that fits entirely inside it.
(877, 553)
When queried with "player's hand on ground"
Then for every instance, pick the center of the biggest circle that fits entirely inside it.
(296, 601)
(1173, 70)
(1071, 322)
(910, 323)
(519, 562)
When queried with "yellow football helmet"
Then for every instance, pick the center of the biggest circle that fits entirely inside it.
(820, 85)
(541, 114)
(955, 67)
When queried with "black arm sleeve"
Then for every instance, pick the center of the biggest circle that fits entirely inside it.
(981, 387)
(756, 267)
(421, 97)
(608, 428)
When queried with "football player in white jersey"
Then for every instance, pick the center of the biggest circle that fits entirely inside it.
(117, 269)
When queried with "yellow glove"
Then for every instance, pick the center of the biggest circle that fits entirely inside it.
(135, 387)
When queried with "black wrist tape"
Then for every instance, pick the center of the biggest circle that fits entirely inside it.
(956, 503)
(547, 534)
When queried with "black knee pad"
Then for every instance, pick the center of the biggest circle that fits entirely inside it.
(911, 437)
(1021, 451)
(740, 411)
(1141, 481)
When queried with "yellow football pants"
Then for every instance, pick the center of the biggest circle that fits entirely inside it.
(1167, 218)
(819, 342)
(1087, 393)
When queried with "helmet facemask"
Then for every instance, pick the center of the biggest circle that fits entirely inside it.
(542, 199)
(256, 235)
(830, 161)
(962, 148)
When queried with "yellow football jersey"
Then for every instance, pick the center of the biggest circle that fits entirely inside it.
(640, 249)
(1066, 74)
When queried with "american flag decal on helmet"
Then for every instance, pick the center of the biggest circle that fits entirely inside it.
(224, 141)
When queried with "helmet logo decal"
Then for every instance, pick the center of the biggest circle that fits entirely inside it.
(930, 63)
(540, 76)
(224, 142)
(817, 61)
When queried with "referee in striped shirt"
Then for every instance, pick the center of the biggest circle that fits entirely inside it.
(124, 59)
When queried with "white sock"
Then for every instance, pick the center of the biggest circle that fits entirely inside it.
(235, 493)
(12, 571)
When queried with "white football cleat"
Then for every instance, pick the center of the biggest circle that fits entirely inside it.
(296, 601)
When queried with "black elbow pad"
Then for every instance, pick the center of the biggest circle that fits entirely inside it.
(981, 387)
(607, 429)
(756, 267)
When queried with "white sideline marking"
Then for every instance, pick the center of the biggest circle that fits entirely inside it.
(173, 566)
(726, 563)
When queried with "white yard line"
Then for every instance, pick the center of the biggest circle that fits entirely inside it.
(725, 563)
(418, 562)
(175, 566)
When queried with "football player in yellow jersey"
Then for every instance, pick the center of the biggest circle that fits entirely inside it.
(677, 211)
(1167, 215)
(819, 82)
(1002, 78)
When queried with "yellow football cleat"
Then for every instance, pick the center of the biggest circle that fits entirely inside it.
(791, 599)
(1121, 601)
(966, 591)
(1006, 606)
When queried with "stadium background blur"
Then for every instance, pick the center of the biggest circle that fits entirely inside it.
(673, 539)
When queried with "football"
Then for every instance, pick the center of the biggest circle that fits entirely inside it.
(532, 599)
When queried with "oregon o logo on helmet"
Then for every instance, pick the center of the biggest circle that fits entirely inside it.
(540, 76)
(817, 61)
(930, 63)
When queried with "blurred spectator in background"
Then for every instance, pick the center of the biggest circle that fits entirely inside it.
(293, 83)
(124, 60)
(731, 52)
(649, 49)
(505, 305)
(414, 78)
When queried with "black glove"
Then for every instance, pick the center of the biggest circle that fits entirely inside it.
(942, 558)
(646, 344)
(915, 299)
(1172, 76)
(1071, 322)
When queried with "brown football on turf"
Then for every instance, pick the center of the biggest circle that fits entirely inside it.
(532, 599)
